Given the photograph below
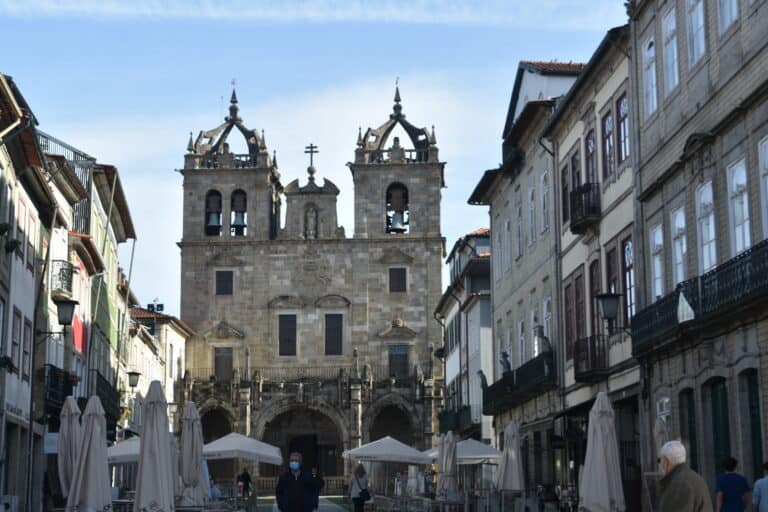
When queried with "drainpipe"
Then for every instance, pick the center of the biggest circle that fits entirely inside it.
(123, 328)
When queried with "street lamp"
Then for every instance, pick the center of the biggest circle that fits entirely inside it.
(65, 309)
(609, 306)
(133, 379)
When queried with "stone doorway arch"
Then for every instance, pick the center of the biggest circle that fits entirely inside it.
(392, 415)
(216, 422)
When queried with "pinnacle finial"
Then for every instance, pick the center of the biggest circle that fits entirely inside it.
(190, 144)
(397, 90)
(359, 135)
(274, 158)
(233, 99)
(263, 144)
(432, 138)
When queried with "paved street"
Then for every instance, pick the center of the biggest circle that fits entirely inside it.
(325, 506)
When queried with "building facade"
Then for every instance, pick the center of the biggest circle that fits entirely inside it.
(590, 132)
(699, 74)
(521, 198)
(465, 313)
(305, 338)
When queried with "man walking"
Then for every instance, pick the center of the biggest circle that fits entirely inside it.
(297, 491)
(682, 489)
(760, 494)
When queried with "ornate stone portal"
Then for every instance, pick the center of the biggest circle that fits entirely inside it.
(307, 339)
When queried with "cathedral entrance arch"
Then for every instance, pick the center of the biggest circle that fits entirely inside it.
(217, 422)
(394, 422)
(311, 432)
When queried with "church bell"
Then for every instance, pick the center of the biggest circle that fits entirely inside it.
(398, 223)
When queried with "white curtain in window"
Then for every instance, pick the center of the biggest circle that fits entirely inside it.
(707, 239)
(671, 74)
(657, 261)
(696, 31)
(679, 247)
(649, 77)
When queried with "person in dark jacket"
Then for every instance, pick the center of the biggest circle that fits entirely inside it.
(682, 489)
(297, 491)
(245, 479)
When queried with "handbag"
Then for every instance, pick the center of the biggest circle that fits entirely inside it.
(363, 494)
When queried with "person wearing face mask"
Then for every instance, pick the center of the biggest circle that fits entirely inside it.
(682, 489)
(297, 491)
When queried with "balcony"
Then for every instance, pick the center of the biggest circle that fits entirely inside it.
(585, 207)
(521, 384)
(61, 279)
(591, 359)
(110, 401)
(57, 386)
(738, 284)
(465, 422)
(448, 420)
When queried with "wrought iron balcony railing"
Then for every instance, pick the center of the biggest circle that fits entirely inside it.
(409, 156)
(591, 358)
(108, 394)
(585, 207)
(288, 374)
(61, 278)
(739, 282)
(57, 386)
(521, 384)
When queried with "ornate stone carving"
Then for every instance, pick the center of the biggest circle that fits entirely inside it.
(332, 301)
(222, 331)
(286, 302)
(397, 330)
(313, 275)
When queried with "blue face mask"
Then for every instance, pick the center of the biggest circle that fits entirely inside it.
(294, 465)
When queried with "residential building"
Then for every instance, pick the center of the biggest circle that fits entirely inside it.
(521, 198)
(590, 132)
(700, 73)
(306, 338)
(28, 213)
(465, 312)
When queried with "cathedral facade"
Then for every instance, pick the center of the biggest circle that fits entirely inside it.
(307, 338)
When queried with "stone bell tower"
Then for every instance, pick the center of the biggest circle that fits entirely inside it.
(397, 190)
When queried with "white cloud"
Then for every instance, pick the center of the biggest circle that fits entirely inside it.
(146, 150)
(542, 14)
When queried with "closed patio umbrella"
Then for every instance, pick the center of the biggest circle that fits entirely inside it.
(89, 489)
(446, 477)
(154, 482)
(601, 489)
(509, 475)
(70, 440)
(191, 457)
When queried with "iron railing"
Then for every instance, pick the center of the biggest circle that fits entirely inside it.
(735, 283)
(585, 207)
(61, 277)
(228, 161)
(108, 394)
(287, 374)
(57, 386)
(521, 384)
(590, 362)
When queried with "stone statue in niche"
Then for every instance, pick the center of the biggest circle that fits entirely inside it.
(310, 223)
(505, 364)
(300, 393)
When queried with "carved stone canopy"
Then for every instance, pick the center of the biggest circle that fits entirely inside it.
(397, 330)
(332, 301)
(223, 330)
(394, 255)
(286, 302)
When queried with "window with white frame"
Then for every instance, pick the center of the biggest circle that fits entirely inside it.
(531, 215)
(705, 214)
(628, 271)
(649, 77)
(727, 13)
(519, 230)
(679, 246)
(544, 201)
(496, 255)
(521, 340)
(508, 246)
(762, 153)
(696, 31)
(671, 73)
(547, 308)
(737, 188)
(657, 261)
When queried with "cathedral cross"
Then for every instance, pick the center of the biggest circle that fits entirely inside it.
(311, 150)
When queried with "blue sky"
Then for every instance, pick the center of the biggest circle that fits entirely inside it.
(127, 81)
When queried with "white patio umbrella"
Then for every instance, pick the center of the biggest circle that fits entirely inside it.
(89, 489)
(600, 489)
(124, 452)
(387, 449)
(446, 477)
(70, 439)
(191, 458)
(238, 446)
(509, 476)
(470, 451)
(412, 488)
(154, 482)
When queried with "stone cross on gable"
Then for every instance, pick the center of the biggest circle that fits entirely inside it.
(311, 150)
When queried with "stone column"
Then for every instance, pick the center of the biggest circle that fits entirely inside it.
(355, 420)
(429, 412)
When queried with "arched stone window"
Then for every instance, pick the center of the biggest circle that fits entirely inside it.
(213, 213)
(398, 213)
(239, 216)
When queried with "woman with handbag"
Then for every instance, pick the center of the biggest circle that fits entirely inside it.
(358, 488)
